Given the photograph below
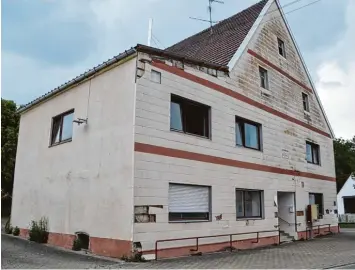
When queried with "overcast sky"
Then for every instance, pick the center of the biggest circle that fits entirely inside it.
(48, 42)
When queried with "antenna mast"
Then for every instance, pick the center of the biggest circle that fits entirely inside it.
(210, 2)
(150, 31)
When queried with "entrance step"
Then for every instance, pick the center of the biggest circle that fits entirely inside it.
(285, 237)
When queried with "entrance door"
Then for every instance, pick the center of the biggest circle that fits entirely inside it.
(286, 212)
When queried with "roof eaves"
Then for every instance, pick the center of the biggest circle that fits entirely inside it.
(78, 79)
(175, 56)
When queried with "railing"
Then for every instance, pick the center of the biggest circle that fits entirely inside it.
(290, 224)
(310, 229)
(211, 236)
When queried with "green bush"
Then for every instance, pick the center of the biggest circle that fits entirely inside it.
(16, 231)
(76, 244)
(8, 228)
(39, 231)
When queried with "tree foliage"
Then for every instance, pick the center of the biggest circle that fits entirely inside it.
(344, 152)
(9, 133)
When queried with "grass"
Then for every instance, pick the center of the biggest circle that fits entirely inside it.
(347, 225)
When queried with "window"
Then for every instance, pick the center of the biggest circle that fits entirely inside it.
(264, 83)
(249, 203)
(62, 128)
(247, 133)
(281, 46)
(189, 116)
(312, 152)
(317, 198)
(305, 102)
(155, 76)
(189, 202)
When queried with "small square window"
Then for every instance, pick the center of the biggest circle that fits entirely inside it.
(62, 128)
(247, 133)
(305, 102)
(281, 46)
(312, 152)
(264, 81)
(189, 116)
(155, 76)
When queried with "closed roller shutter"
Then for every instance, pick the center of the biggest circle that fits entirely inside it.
(188, 199)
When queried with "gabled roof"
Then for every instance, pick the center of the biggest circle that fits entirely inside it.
(227, 36)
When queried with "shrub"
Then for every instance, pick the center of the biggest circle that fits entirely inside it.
(39, 231)
(16, 231)
(76, 244)
(8, 228)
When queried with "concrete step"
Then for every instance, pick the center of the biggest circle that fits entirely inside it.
(285, 237)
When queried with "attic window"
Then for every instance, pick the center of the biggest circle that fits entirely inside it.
(155, 76)
(264, 81)
(62, 128)
(305, 102)
(281, 46)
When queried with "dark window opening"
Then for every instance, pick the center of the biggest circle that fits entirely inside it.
(281, 46)
(247, 133)
(349, 205)
(189, 116)
(264, 81)
(317, 198)
(84, 239)
(312, 152)
(249, 203)
(62, 127)
(305, 102)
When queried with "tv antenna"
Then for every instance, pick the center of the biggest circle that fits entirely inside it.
(210, 2)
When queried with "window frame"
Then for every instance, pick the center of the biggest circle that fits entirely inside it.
(281, 45)
(153, 71)
(61, 115)
(266, 78)
(321, 211)
(259, 132)
(312, 145)
(261, 204)
(187, 220)
(305, 101)
(183, 102)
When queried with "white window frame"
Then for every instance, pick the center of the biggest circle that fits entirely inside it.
(155, 76)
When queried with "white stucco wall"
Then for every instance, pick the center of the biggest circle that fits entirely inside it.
(347, 190)
(86, 184)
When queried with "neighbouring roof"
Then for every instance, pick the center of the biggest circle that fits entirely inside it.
(227, 36)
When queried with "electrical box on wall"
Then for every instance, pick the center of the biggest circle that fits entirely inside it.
(291, 209)
(312, 212)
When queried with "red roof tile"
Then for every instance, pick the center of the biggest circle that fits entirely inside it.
(220, 46)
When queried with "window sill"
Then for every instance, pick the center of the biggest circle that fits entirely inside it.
(316, 164)
(251, 218)
(265, 91)
(307, 113)
(62, 142)
(188, 221)
(190, 134)
(250, 148)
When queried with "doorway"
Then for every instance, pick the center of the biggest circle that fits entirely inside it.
(286, 213)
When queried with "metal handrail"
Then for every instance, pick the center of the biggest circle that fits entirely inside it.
(298, 224)
(310, 228)
(211, 236)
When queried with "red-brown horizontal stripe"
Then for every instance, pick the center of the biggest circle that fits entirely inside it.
(170, 152)
(233, 94)
(267, 62)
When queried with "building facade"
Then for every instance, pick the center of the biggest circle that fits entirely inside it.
(219, 134)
